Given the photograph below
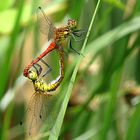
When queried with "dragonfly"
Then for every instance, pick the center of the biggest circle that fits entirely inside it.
(38, 103)
(57, 36)
(43, 89)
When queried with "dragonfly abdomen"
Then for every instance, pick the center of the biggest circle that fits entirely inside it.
(51, 47)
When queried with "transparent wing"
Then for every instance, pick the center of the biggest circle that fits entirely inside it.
(79, 35)
(53, 104)
(33, 120)
(47, 113)
(44, 24)
(40, 111)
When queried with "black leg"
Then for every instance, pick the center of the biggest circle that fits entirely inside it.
(79, 33)
(49, 68)
(70, 46)
(40, 68)
(80, 36)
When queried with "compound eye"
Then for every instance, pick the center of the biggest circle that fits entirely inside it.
(72, 23)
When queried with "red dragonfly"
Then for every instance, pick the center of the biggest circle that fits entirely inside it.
(57, 35)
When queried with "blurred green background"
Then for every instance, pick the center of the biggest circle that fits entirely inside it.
(104, 102)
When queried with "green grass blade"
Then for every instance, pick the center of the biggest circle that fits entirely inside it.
(133, 125)
(114, 35)
(116, 80)
(54, 134)
(6, 64)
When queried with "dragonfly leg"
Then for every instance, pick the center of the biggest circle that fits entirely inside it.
(38, 70)
(79, 33)
(70, 46)
(73, 36)
(49, 68)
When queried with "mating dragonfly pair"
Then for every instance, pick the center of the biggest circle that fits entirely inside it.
(57, 35)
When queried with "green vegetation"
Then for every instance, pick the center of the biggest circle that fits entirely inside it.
(99, 96)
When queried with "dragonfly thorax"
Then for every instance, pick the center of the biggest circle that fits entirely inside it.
(64, 32)
(40, 85)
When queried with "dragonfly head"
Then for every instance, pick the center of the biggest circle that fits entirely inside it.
(72, 24)
(32, 75)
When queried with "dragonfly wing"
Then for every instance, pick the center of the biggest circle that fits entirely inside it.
(40, 111)
(51, 33)
(33, 120)
(44, 24)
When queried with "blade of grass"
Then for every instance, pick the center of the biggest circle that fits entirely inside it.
(54, 134)
(6, 64)
(133, 125)
(116, 78)
(87, 135)
(113, 35)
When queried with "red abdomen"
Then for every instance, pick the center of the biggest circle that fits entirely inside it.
(51, 47)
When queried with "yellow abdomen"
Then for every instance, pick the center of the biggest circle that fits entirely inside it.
(41, 86)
